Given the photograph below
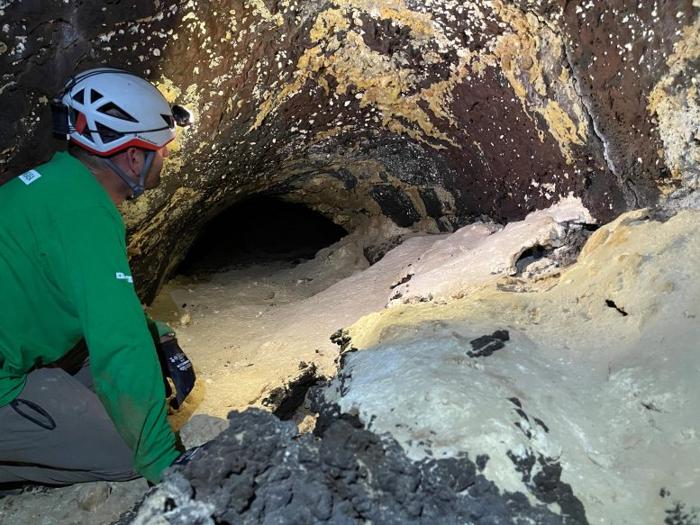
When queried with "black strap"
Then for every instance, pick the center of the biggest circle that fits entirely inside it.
(36, 408)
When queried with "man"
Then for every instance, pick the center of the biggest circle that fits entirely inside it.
(65, 277)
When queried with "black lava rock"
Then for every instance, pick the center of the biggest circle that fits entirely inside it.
(261, 471)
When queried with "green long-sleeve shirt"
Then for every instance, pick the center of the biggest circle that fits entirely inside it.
(64, 275)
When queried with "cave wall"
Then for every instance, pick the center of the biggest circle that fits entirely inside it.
(429, 112)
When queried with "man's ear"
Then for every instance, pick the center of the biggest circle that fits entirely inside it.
(134, 159)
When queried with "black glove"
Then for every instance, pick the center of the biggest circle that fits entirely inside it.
(177, 367)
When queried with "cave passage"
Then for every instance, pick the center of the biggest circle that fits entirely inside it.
(260, 230)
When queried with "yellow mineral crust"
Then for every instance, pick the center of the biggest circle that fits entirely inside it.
(136, 211)
(328, 23)
(358, 70)
(423, 27)
(376, 79)
(261, 9)
(176, 208)
(439, 94)
(169, 89)
(519, 52)
(561, 127)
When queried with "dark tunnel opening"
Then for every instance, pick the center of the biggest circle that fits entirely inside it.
(260, 230)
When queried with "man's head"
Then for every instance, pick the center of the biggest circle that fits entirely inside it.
(119, 123)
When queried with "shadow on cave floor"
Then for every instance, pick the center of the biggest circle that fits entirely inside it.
(258, 231)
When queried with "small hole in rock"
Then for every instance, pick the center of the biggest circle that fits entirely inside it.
(529, 256)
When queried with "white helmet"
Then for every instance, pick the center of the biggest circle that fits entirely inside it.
(109, 110)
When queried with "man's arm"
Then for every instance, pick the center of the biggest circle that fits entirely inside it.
(123, 359)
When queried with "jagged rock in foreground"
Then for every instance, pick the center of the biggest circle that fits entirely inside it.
(261, 471)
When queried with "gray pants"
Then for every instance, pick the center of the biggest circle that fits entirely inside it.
(57, 432)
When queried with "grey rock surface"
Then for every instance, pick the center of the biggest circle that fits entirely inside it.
(99, 503)
(94, 495)
(200, 429)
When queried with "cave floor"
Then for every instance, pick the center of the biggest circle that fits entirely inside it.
(247, 329)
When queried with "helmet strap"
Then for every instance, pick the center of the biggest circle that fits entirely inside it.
(137, 188)
(147, 163)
